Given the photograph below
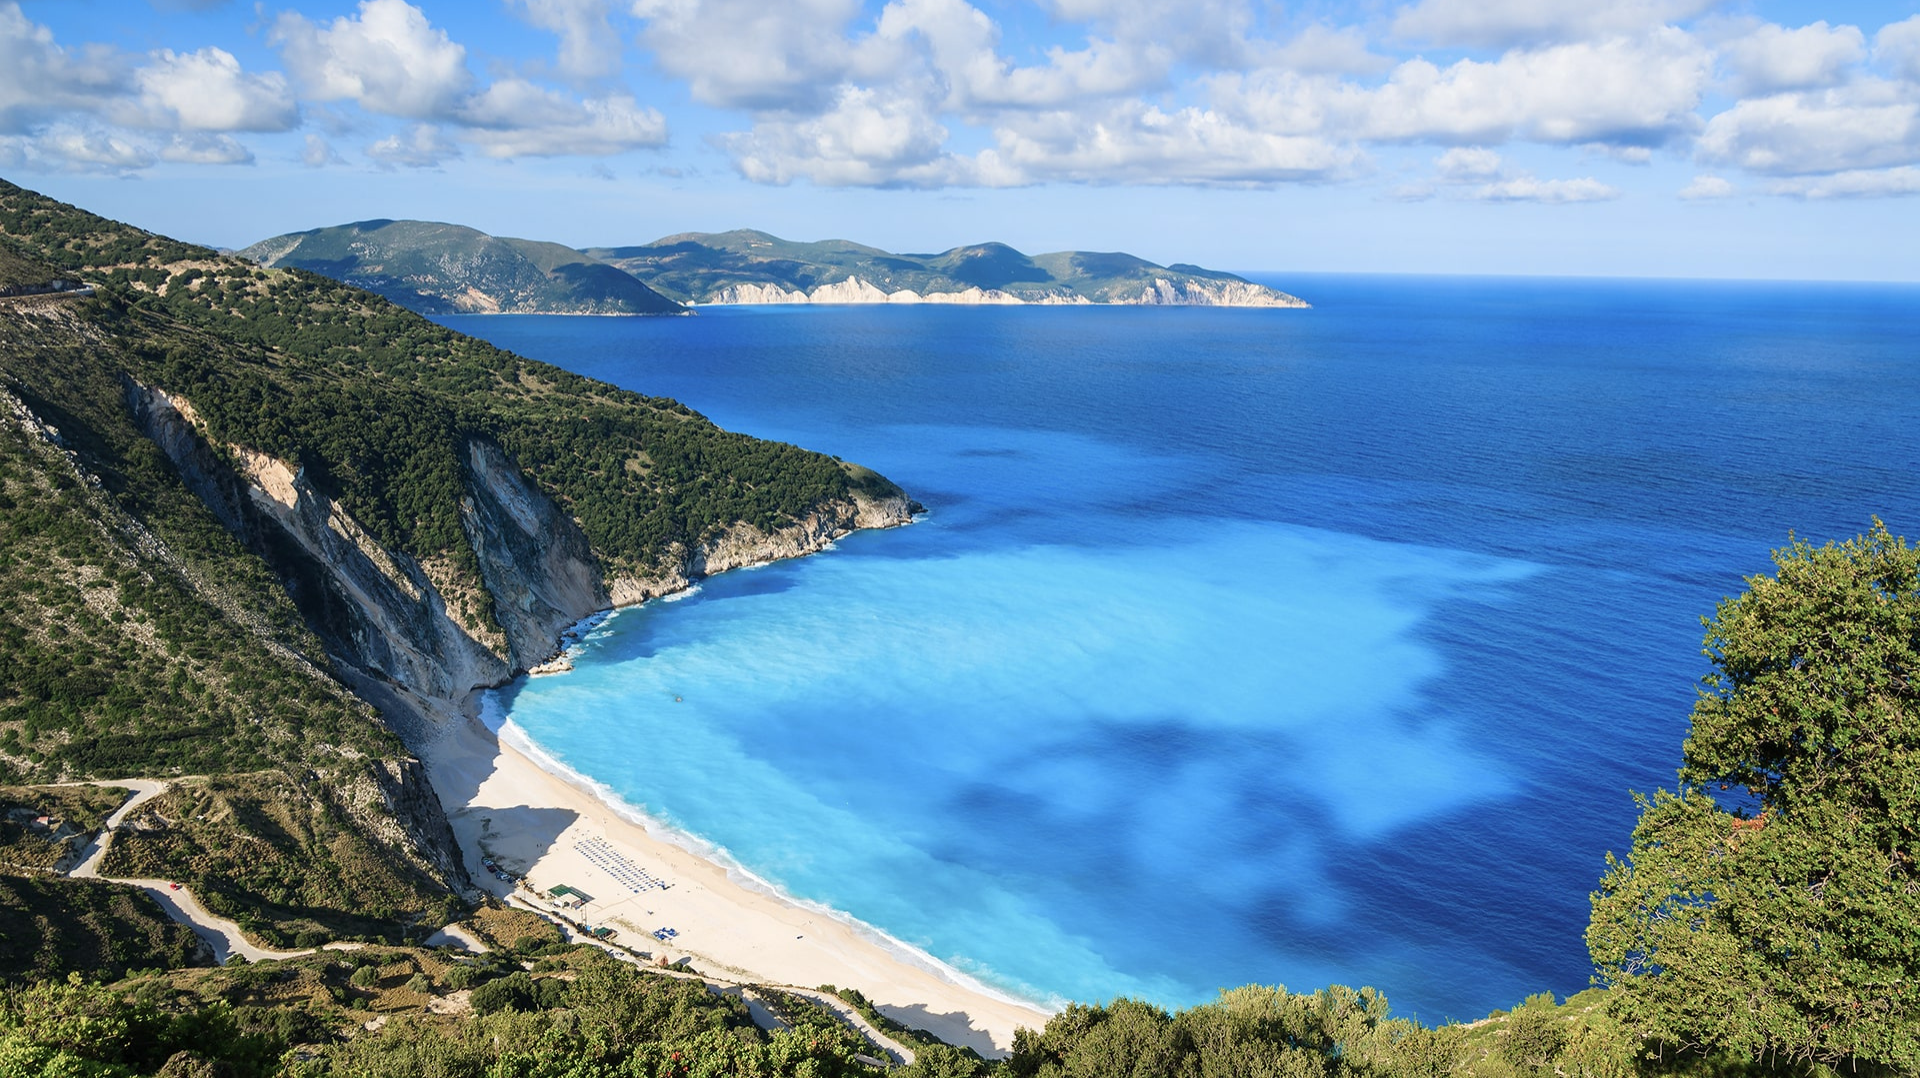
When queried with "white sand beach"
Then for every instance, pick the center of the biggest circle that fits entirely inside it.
(553, 832)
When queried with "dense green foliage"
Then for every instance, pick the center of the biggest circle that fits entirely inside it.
(73, 815)
(1771, 908)
(136, 636)
(696, 266)
(438, 268)
(323, 875)
(51, 926)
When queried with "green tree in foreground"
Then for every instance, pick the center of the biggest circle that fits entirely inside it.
(1786, 928)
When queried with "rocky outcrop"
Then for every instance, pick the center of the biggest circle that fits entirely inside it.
(376, 609)
(393, 801)
(1187, 292)
(412, 637)
(743, 545)
(1191, 292)
(534, 559)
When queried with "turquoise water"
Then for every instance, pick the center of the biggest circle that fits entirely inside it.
(1273, 646)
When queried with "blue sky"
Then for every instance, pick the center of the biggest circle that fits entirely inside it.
(1636, 137)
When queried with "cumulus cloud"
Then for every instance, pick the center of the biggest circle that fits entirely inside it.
(205, 149)
(1897, 46)
(1871, 124)
(1706, 187)
(73, 149)
(751, 54)
(867, 139)
(420, 146)
(1772, 58)
(207, 91)
(590, 48)
(317, 152)
(1506, 23)
(1467, 165)
(1636, 91)
(40, 80)
(387, 58)
(515, 118)
(1327, 50)
(1528, 189)
(1136, 143)
(1854, 183)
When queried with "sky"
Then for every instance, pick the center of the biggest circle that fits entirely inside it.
(1665, 138)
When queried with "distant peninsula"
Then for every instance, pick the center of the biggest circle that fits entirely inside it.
(435, 268)
(745, 266)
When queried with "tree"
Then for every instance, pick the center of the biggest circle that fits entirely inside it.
(1771, 907)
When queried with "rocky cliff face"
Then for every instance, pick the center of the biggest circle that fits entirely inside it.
(1186, 292)
(1200, 293)
(417, 639)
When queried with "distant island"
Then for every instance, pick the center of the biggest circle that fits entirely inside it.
(435, 268)
(744, 266)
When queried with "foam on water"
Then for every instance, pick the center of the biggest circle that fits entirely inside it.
(1239, 646)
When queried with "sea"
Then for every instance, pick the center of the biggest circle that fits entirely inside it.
(1235, 646)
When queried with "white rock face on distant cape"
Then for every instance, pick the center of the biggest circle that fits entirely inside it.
(1191, 293)
(856, 290)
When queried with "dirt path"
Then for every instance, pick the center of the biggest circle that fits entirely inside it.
(763, 1017)
(220, 934)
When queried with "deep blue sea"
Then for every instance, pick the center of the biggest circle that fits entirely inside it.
(1236, 646)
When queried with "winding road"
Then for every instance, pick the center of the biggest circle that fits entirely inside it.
(221, 935)
(225, 939)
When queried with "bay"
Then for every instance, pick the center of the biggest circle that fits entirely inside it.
(1237, 646)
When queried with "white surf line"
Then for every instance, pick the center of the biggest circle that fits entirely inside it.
(762, 1015)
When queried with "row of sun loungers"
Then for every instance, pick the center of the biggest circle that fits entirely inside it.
(624, 872)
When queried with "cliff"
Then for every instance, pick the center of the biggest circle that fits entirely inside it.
(268, 529)
(746, 266)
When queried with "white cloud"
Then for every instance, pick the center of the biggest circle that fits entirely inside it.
(1855, 183)
(319, 153)
(1136, 143)
(1772, 58)
(1504, 23)
(74, 149)
(1897, 45)
(1467, 165)
(205, 149)
(1622, 90)
(40, 80)
(868, 139)
(1706, 187)
(420, 146)
(1326, 50)
(207, 91)
(1871, 124)
(590, 48)
(515, 118)
(752, 54)
(388, 59)
(1528, 189)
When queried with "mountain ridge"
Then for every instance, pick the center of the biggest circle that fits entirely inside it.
(433, 267)
(751, 266)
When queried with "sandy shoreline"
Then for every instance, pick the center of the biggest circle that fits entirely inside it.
(535, 824)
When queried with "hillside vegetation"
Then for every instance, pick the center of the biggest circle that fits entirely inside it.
(700, 267)
(436, 268)
(1765, 920)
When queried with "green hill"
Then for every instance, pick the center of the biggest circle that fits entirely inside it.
(741, 266)
(438, 268)
(253, 521)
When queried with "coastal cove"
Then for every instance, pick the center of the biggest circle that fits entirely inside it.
(1237, 646)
